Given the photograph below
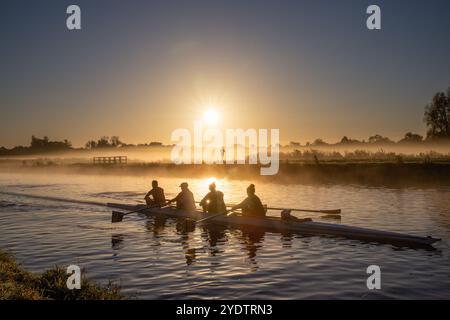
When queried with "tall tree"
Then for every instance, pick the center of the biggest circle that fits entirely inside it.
(437, 116)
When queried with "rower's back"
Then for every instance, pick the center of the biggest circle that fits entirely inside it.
(213, 202)
(253, 207)
(216, 204)
(185, 200)
(158, 195)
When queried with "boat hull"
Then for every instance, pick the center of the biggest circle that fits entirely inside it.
(310, 228)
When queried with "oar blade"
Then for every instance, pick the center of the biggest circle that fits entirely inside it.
(117, 216)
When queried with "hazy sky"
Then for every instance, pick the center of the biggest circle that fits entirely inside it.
(140, 69)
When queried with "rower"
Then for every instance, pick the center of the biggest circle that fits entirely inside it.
(155, 197)
(185, 199)
(213, 202)
(252, 205)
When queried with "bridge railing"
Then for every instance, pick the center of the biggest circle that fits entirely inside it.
(110, 160)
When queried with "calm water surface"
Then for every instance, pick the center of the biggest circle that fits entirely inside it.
(154, 258)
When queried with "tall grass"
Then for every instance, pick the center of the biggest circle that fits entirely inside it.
(19, 284)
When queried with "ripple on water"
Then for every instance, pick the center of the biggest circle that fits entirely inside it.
(154, 259)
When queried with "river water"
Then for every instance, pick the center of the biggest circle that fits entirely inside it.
(152, 258)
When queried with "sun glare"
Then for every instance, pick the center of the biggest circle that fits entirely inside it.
(210, 180)
(211, 117)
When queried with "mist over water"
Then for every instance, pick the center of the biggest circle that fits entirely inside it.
(154, 258)
(146, 154)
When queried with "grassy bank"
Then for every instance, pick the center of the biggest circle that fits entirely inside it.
(19, 284)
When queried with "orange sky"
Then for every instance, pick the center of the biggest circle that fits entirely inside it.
(141, 71)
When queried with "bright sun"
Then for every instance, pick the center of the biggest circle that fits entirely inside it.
(211, 117)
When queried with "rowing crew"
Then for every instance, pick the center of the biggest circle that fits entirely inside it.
(213, 202)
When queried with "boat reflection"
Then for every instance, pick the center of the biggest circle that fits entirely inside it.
(213, 237)
(156, 225)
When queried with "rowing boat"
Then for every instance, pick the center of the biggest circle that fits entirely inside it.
(310, 228)
(268, 223)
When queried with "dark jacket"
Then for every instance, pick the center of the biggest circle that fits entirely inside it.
(185, 200)
(252, 207)
(213, 202)
(158, 195)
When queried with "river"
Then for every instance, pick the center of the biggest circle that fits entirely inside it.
(152, 258)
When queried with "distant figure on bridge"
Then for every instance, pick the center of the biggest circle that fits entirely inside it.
(185, 199)
(213, 201)
(155, 197)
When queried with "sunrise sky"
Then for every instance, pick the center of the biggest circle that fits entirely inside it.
(140, 69)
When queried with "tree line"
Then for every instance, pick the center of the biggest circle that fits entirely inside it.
(375, 139)
(436, 118)
(42, 145)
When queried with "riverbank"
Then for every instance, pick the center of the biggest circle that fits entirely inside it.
(389, 174)
(18, 284)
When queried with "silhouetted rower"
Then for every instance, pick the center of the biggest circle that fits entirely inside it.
(213, 202)
(185, 199)
(155, 197)
(252, 205)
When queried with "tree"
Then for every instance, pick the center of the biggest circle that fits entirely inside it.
(91, 144)
(67, 143)
(103, 142)
(412, 137)
(346, 140)
(45, 144)
(115, 141)
(37, 143)
(379, 139)
(319, 142)
(437, 116)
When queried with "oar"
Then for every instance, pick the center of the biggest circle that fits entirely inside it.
(334, 211)
(194, 222)
(117, 216)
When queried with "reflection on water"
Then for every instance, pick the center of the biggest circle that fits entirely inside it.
(116, 241)
(160, 257)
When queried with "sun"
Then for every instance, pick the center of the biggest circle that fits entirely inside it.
(211, 117)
